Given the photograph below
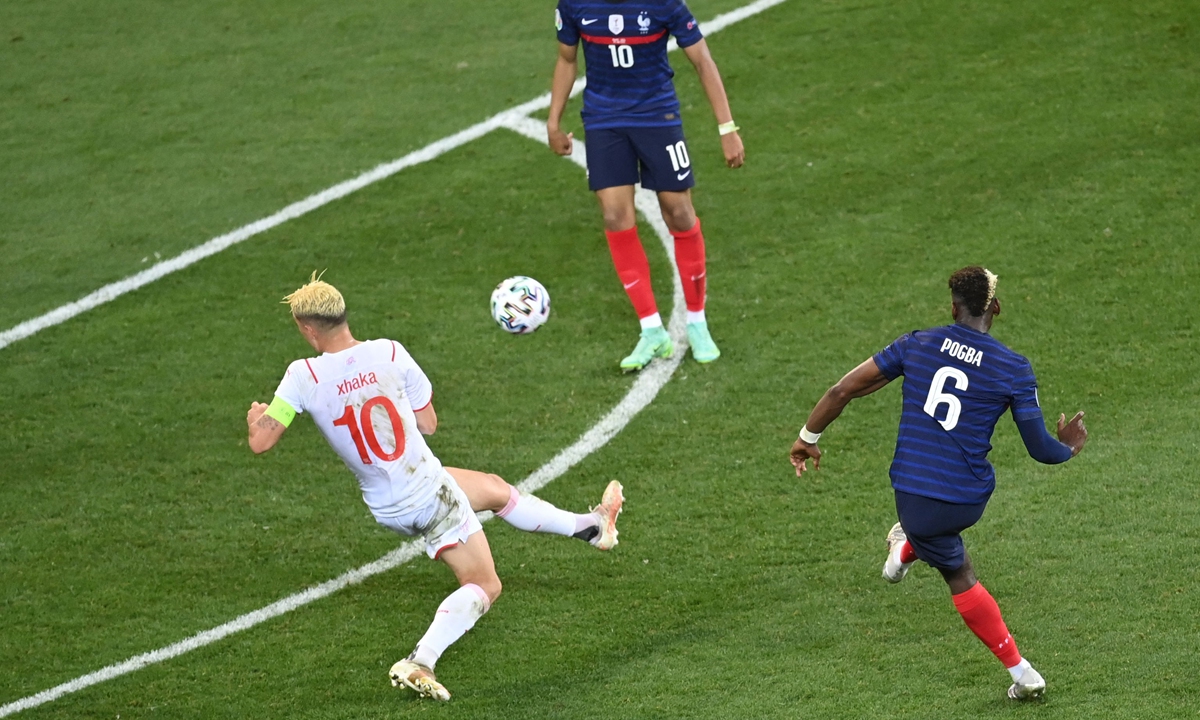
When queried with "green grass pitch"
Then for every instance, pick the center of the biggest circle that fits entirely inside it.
(887, 145)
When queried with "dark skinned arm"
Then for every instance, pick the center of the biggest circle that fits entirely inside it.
(862, 380)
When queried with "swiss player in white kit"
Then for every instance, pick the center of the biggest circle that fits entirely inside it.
(374, 404)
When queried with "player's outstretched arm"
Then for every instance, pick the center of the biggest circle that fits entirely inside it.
(565, 69)
(265, 430)
(714, 88)
(862, 380)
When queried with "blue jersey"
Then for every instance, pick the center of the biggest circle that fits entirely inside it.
(625, 53)
(957, 384)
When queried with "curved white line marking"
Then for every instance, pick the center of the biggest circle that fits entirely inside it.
(644, 389)
(641, 394)
(114, 290)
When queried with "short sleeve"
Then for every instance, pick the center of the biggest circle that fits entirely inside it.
(1024, 401)
(890, 360)
(564, 23)
(416, 384)
(289, 390)
(683, 25)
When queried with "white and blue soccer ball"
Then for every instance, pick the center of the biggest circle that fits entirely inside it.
(520, 305)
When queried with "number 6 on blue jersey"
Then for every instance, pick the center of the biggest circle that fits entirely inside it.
(937, 396)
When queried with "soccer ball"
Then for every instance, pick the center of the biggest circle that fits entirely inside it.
(520, 305)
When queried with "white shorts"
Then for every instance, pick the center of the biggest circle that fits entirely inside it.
(445, 522)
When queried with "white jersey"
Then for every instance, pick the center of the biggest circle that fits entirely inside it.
(363, 400)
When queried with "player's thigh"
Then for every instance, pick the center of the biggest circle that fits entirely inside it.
(443, 521)
(485, 490)
(934, 528)
(611, 159)
(471, 562)
(663, 158)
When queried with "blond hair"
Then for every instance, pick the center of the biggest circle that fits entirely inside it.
(318, 301)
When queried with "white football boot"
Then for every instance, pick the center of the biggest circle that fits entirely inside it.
(894, 570)
(419, 679)
(1030, 686)
(608, 510)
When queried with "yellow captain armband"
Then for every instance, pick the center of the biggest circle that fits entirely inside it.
(280, 410)
(727, 128)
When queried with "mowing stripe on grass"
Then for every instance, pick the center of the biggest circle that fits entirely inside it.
(112, 291)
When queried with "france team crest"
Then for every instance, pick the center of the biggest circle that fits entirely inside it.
(616, 23)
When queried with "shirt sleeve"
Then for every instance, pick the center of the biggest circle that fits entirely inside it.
(683, 25)
(289, 391)
(890, 360)
(1024, 400)
(416, 384)
(564, 23)
(1038, 442)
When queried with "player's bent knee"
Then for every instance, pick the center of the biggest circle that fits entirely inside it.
(618, 220)
(492, 587)
(680, 218)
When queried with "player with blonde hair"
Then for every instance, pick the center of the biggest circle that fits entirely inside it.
(373, 404)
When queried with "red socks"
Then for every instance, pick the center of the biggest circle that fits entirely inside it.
(907, 554)
(981, 613)
(633, 269)
(689, 255)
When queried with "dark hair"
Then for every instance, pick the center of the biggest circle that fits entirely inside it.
(972, 288)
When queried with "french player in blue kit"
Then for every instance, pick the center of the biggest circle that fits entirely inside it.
(958, 381)
(635, 133)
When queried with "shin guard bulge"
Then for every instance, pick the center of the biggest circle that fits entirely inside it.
(455, 616)
(629, 257)
(981, 613)
(689, 256)
(532, 514)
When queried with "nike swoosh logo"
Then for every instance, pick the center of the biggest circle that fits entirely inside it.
(683, 175)
(586, 22)
(635, 282)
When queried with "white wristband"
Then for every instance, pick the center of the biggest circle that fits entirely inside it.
(729, 127)
(809, 437)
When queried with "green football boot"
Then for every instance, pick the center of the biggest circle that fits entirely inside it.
(703, 347)
(655, 342)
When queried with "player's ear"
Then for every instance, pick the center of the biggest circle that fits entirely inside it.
(954, 309)
(995, 307)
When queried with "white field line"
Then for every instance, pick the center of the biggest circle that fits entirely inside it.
(640, 395)
(115, 290)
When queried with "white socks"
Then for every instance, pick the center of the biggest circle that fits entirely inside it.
(531, 514)
(651, 321)
(698, 317)
(455, 616)
(1019, 669)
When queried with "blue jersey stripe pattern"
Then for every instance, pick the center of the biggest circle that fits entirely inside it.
(625, 55)
(957, 383)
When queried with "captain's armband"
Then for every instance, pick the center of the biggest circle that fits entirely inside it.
(281, 411)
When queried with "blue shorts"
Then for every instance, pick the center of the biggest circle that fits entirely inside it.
(933, 528)
(658, 156)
